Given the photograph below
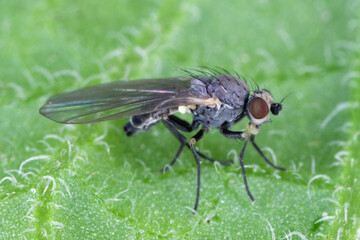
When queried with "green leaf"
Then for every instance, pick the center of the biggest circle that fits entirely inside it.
(91, 181)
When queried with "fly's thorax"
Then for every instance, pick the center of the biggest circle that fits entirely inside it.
(227, 97)
(258, 107)
(230, 90)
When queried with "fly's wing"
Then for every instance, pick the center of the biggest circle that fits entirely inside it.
(123, 99)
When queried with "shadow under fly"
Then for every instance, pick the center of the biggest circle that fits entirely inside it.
(215, 99)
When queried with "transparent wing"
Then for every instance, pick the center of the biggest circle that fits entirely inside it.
(123, 99)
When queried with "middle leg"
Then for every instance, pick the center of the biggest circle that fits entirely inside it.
(191, 143)
(184, 126)
(173, 123)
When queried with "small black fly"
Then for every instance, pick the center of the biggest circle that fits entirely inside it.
(215, 100)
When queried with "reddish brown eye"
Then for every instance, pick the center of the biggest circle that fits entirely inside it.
(258, 108)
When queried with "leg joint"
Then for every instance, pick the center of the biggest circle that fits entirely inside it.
(192, 141)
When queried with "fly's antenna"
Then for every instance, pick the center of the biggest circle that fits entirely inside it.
(286, 97)
(276, 107)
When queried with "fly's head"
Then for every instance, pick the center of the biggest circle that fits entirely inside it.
(259, 106)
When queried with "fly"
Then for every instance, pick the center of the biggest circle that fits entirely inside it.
(215, 100)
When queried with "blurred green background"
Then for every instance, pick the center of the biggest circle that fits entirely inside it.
(92, 182)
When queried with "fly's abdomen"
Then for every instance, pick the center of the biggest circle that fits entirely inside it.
(140, 123)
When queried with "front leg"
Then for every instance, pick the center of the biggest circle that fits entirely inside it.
(233, 134)
(252, 140)
(239, 135)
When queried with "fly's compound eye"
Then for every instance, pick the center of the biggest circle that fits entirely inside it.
(258, 108)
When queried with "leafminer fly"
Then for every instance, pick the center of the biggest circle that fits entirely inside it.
(216, 99)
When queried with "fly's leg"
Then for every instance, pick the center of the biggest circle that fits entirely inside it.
(191, 143)
(181, 124)
(226, 126)
(213, 160)
(243, 170)
(186, 127)
(239, 135)
(173, 123)
(252, 140)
